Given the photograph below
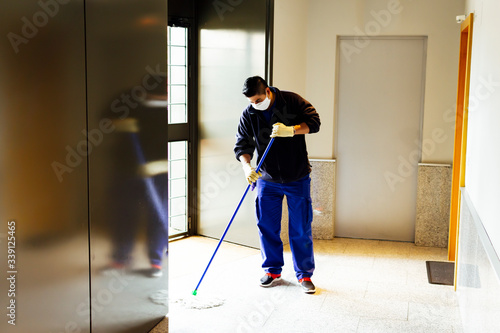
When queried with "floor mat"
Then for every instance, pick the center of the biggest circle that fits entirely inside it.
(440, 272)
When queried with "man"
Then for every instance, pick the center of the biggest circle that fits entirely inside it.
(287, 117)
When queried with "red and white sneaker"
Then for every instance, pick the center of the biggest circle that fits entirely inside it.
(307, 285)
(156, 271)
(269, 279)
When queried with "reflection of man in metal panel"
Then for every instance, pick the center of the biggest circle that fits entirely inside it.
(139, 181)
(285, 171)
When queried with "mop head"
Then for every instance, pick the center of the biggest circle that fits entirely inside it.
(190, 302)
(199, 302)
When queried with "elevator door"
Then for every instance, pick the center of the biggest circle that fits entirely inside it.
(44, 285)
(126, 103)
(380, 103)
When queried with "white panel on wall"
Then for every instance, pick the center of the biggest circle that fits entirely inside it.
(483, 140)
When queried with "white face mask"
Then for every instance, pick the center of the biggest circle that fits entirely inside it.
(262, 106)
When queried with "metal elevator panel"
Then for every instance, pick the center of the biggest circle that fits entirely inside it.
(233, 41)
(126, 70)
(73, 74)
(43, 168)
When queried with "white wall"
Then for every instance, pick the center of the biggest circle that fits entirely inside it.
(290, 31)
(305, 56)
(483, 145)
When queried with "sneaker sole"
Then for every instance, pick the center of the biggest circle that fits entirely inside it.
(270, 284)
(307, 291)
(157, 274)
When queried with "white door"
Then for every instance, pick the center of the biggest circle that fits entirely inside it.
(380, 103)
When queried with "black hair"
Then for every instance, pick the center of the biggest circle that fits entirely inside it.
(254, 85)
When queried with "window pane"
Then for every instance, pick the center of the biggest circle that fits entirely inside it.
(177, 169)
(177, 74)
(178, 206)
(177, 188)
(177, 94)
(178, 223)
(177, 114)
(177, 150)
(177, 55)
(177, 36)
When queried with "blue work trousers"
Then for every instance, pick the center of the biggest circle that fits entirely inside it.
(268, 205)
(128, 201)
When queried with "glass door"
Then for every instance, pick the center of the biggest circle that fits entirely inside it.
(230, 50)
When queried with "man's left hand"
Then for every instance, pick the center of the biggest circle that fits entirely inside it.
(281, 130)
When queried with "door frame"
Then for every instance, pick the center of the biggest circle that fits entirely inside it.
(460, 143)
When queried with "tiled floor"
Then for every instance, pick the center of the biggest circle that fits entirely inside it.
(362, 286)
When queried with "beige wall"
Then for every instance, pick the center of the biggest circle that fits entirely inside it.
(290, 31)
(305, 57)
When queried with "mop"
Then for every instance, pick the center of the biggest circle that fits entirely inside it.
(205, 303)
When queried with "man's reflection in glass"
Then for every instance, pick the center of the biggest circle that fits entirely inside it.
(137, 178)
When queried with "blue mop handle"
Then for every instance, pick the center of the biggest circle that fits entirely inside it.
(234, 214)
(153, 194)
(264, 155)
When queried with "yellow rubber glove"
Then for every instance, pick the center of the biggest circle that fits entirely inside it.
(250, 173)
(281, 130)
(154, 168)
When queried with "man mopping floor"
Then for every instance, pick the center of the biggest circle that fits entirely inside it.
(287, 117)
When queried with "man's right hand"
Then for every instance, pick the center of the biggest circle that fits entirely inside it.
(250, 173)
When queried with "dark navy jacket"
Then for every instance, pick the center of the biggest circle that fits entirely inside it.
(287, 159)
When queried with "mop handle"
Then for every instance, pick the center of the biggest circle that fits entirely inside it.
(264, 155)
(153, 194)
(234, 214)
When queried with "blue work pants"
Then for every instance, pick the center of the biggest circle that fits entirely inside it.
(268, 204)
